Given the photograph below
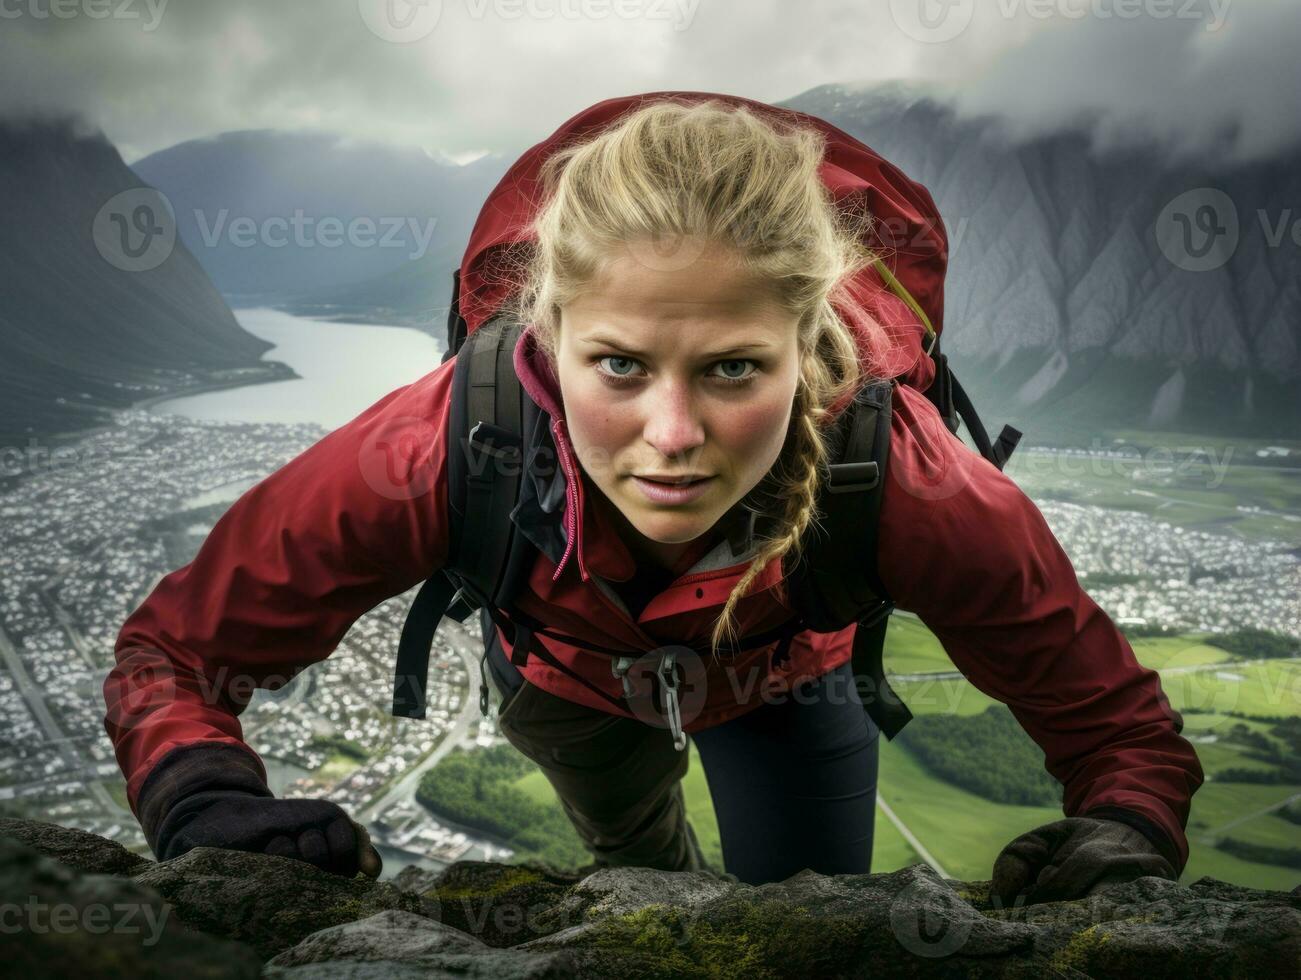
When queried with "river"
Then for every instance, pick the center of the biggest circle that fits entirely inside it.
(344, 368)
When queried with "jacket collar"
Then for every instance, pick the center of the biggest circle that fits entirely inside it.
(543, 513)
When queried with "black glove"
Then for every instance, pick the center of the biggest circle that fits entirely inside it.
(316, 831)
(1074, 858)
(213, 796)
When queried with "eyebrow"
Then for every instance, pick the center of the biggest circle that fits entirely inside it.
(603, 341)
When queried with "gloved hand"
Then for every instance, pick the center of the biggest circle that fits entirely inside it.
(316, 831)
(1074, 858)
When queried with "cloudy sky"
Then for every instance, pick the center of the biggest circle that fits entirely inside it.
(461, 77)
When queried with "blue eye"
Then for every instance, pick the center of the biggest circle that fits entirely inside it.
(617, 377)
(744, 377)
(627, 360)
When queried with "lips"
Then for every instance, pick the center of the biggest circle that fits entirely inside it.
(670, 493)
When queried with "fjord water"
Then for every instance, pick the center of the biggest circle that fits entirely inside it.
(344, 368)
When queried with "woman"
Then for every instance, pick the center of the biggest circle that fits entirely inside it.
(696, 284)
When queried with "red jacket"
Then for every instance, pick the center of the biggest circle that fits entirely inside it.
(304, 553)
(361, 516)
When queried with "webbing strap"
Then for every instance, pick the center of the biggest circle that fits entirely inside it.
(999, 452)
(412, 671)
(525, 628)
(522, 640)
(881, 702)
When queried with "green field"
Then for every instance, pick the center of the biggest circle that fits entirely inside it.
(1229, 496)
(966, 847)
(336, 767)
(964, 832)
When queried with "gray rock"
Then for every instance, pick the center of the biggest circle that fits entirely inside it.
(1154, 927)
(397, 943)
(502, 905)
(75, 848)
(271, 903)
(910, 922)
(59, 921)
(479, 919)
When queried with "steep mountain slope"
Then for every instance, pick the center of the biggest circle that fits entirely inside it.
(97, 306)
(1072, 296)
(274, 214)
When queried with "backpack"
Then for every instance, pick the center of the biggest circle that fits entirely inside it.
(834, 584)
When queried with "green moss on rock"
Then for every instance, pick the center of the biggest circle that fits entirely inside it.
(740, 939)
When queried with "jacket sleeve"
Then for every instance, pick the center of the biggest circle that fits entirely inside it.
(358, 517)
(966, 550)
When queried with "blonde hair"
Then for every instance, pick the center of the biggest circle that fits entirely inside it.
(713, 173)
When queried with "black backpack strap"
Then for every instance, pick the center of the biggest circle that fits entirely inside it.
(880, 701)
(487, 557)
(412, 671)
(940, 392)
(950, 399)
(523, 643)
(835, 581)
(457, 328)
(1001, 450)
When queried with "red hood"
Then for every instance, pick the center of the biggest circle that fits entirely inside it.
(909, 235)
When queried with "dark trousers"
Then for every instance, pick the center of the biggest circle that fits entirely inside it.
(793, 781)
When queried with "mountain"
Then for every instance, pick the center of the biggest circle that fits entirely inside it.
(279, 216)
(214, 912)
(1072, 301)
(99, 306)
(415, 294)
(1070, 307)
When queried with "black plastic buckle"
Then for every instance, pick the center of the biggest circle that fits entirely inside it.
(491, 441)
(852, 477)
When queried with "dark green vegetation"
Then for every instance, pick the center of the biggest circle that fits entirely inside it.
(1266, 748)
(988, 754)
(344, 746)
(1257, 644)
(1282, 857)
(477, 789)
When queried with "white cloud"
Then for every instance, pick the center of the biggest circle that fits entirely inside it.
(504, 73)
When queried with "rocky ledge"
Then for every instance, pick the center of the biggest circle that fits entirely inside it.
(72, 903)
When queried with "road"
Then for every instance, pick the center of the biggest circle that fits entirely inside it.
(47, 591)
(405, 788)
(53, 733)
(946, 675)
(911, 838)
(1227, 665)
(1209, 836)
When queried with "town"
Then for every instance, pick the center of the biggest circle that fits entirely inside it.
(83, 542)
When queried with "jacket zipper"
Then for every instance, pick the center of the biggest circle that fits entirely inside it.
(621, 665)
(572, 520)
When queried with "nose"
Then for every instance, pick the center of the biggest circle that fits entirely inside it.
(673, 426)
